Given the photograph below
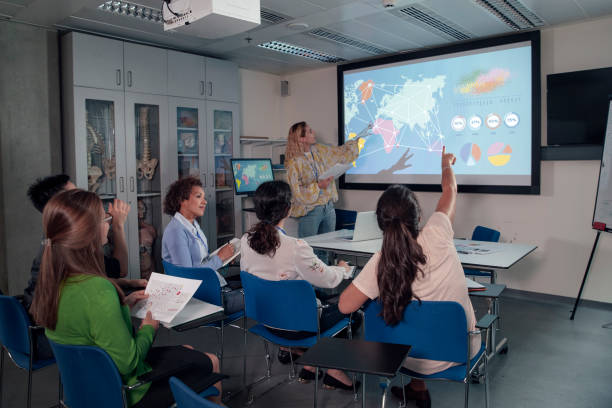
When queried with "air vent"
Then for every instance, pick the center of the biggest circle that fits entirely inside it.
(344, 40)
(298, 51)
(272, 16)
(512, 12)
(432, 21)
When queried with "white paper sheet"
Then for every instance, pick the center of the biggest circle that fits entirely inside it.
(168, 295)
(194, 309)
(472, 284)
(236, 244)
(336, 170)
(477, 249)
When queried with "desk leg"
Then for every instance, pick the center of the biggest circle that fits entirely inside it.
(363, 390)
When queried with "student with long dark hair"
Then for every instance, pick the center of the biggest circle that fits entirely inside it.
(414, 264)
(79, 305)
(269, 253)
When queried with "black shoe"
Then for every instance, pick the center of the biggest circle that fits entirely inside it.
(306, 376)
(284, 358)
(331, 383)
(421, 398)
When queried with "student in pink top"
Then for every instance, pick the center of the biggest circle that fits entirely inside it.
(414, 265)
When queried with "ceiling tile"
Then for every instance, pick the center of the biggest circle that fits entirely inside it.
(468, 15)
(595, 8)
(555, 11)
(372, 34)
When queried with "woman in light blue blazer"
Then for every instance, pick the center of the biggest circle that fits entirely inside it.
(184, 243)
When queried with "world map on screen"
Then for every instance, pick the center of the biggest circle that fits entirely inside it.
(478, 106)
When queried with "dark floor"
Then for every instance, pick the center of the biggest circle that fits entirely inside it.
(552, 362)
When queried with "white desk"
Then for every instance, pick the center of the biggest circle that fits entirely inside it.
(499, 256)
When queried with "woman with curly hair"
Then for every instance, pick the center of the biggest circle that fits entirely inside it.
(414, 265)
(184, 242)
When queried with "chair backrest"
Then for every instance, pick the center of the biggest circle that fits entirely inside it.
(89, 376)
(485, 234)
(210, 289)
(345, 219)
(435, 330)
(185, 397)
(286, 304)
(14, 322)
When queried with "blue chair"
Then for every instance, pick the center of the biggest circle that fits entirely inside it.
(17, 338)
(209, 291)
(345, 219)
(483, 234)
(185, 397)
(91, 379)
(435, 331)
(288, 305)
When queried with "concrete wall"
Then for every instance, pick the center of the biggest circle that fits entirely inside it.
(30, 142)
(557, 221)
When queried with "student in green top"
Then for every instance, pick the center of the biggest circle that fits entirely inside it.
(92, 310)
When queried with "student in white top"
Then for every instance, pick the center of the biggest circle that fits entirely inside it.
(269, 253)
(414, 265)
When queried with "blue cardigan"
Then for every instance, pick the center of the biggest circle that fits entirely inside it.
(180, 247)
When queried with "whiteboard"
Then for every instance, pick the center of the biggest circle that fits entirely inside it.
(602, 216)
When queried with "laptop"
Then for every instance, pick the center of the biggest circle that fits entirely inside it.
(366, 227)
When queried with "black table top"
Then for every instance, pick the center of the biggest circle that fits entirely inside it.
(215, 317)
(383, 359)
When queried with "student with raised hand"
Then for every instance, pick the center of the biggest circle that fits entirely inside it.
(269, 253)
(184, 242)
(79, 305)
(414, 264)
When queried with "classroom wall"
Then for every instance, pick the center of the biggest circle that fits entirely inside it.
(30, 144)
(557, 221)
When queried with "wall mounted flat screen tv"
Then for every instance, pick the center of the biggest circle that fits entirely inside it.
(479, 99)
(577, 106)
(250, 173)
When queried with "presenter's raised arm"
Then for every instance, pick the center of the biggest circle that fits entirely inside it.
(448, 200)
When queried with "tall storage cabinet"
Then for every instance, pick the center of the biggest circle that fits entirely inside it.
(134, 122)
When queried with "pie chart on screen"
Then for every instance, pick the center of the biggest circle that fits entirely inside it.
(470, 153)
(499, 154)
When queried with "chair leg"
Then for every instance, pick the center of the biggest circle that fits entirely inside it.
(316, 386)
(385, 387)
(30, 382)
(268, 360)
(221, 349)
(292, 368)
(60, 392)
(403, 391)
(1, 372)
(467, 392)
(244, 352)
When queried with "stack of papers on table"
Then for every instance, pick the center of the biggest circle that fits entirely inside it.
(473, 285)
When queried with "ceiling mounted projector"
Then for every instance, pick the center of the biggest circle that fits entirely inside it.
(211, 18)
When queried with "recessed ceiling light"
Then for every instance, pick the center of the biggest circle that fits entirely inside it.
(298, 26)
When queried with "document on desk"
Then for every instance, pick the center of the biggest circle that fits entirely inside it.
(235, 242)
(477, 248)
(168, 295)
(336, 170)
(194, 309)
(473, 285)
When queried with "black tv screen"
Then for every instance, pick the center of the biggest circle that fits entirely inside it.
(577, 106)
(479, 99)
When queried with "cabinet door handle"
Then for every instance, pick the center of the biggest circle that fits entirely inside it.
(129, 79)
(118, 75)
(132, 184)
(201, 87)
(121, 185)
(209, 88)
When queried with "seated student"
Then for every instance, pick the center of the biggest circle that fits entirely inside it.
(267, 252)
(79, 305)
(184, 243)
(115, 267)
(413, 265)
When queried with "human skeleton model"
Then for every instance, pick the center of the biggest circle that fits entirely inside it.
(146, 165)
(146, 237)
(97, 147)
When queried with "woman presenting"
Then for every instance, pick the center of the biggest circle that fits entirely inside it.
(313, 197)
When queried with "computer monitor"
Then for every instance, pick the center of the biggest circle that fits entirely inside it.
(250, 173)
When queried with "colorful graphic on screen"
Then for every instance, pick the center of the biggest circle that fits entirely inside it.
(471, 103)
(250, 173)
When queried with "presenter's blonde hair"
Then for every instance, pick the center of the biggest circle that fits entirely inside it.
(295, 147)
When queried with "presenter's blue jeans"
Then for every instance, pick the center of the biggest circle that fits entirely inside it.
(319, 220)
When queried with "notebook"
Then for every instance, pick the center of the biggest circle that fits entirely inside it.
(366, 227)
